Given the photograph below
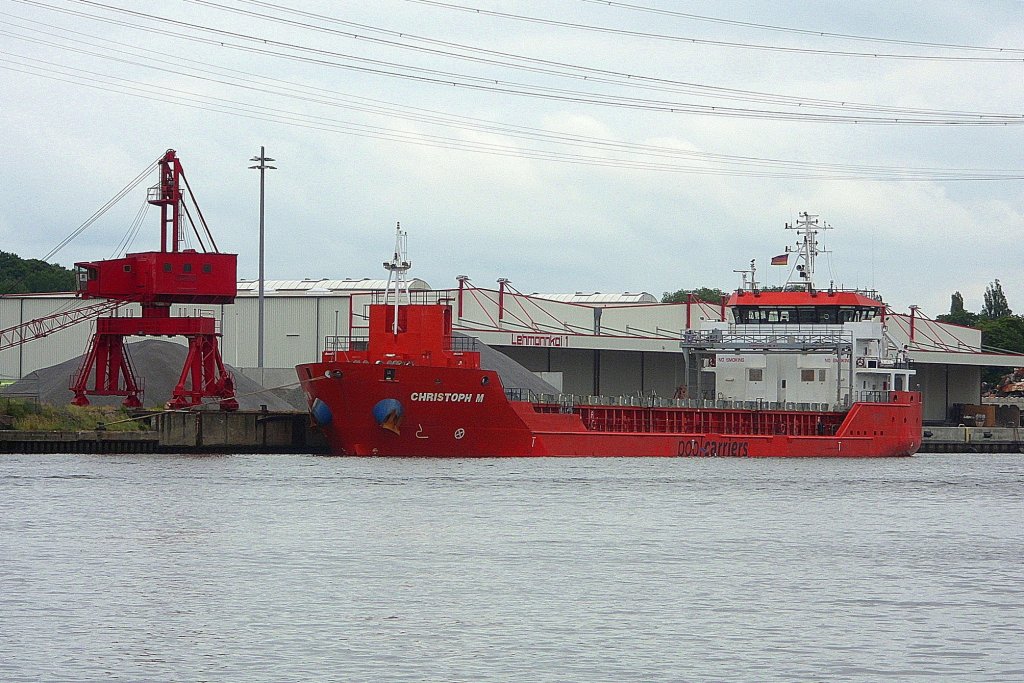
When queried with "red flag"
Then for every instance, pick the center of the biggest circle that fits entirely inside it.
(780, 260)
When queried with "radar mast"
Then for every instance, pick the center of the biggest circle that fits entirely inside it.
(806, 250)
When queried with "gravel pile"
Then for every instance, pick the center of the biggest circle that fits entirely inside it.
(512, 374)
(158, 363)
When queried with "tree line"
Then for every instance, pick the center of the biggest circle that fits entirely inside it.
(1000, 328)
(24, 276)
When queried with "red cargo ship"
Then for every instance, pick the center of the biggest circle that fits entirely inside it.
(412, 388)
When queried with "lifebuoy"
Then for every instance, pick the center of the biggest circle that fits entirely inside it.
(860, 362)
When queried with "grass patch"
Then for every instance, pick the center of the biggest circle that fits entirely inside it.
(29, 416)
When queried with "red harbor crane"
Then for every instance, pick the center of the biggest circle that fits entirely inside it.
(156, 280)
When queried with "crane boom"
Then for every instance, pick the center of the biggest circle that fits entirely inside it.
(41, 327)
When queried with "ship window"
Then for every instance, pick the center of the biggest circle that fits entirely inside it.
(807, 375)
(821, 375)
(127, 267)
(389, 374)
(92, 273)
(187, 268)
(755, 374)
(167, 267)
(207, 268)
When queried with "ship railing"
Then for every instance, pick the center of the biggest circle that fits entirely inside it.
(873, 397)
(888, 364)
(417, 297)
(569, 402)
(523, 395)
(336, 344)
(782, 339)
(460, 343)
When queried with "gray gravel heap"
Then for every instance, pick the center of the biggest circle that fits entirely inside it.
(512, 374)
(159, 364)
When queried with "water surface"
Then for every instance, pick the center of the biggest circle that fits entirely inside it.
(281, 568)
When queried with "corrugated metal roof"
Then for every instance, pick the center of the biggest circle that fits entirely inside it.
(367, 284)
(599, 298)
(323, 285)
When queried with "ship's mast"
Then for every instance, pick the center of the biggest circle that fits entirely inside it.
(806, 249)
(397, 268)
(752, 286)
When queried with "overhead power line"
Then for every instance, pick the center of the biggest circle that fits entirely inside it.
(802, 108)
(564, 69)
(630, 156)
(800, 31)
(1006, 55)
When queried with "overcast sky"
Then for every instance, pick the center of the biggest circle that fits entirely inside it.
(568, 145)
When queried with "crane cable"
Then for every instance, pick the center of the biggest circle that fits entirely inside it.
(102, 210)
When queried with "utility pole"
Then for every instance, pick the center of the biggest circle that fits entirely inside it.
(261, 164)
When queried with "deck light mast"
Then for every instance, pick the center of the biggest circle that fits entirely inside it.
(397, 267)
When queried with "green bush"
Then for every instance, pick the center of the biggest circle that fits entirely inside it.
(30, 416)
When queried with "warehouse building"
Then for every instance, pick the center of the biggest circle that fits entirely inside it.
(586, 343)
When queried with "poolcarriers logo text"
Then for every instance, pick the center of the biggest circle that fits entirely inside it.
(710, 448)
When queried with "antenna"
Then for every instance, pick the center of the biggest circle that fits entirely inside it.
(752, 272)
(397, 268)
(806, 249)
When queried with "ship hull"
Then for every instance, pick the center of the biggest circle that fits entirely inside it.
(426, 411)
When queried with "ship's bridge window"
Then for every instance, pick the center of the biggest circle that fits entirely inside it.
(850, 314)
(808, 315)
(756, 315)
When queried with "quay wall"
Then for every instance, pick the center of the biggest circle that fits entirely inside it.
(182, 432)
(972, 440)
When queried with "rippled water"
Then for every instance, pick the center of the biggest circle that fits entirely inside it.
(279, 568)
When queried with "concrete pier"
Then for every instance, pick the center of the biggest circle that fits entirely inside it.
(97, 441)
(972, 440)
(238, 432)
(184, 432)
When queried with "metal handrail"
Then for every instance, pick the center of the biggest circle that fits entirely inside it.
(568, 402)
(335, 344)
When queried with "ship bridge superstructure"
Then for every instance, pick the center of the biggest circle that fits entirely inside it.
(800, 344)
